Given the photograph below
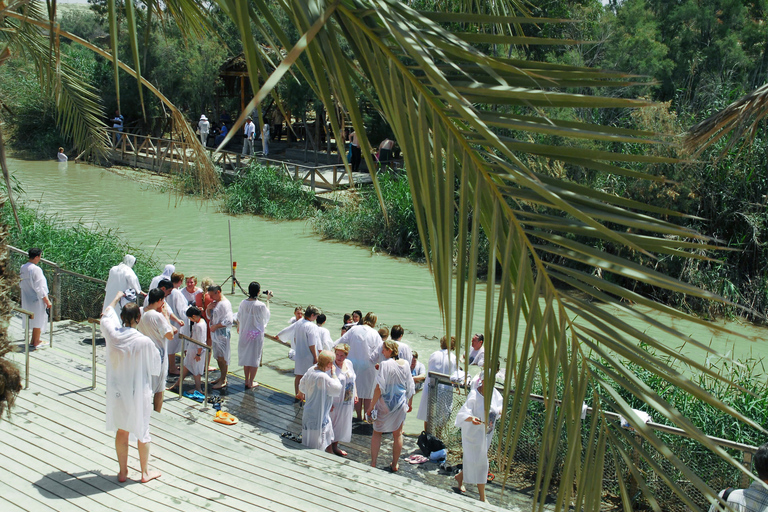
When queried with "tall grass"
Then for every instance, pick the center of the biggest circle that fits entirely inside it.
(81, 249)
(269, 192)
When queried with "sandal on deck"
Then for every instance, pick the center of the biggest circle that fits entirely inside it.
(417, 459)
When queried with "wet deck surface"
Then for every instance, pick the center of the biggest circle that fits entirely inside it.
(59, 456)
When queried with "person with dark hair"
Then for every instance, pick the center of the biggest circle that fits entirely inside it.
(364, 351)
(404, 350)
(178, 304)
(195, 356)
(755, 497)
(477, 354)
(34, 294)
(306, 338)
(252, 318)
(157, 327)
(132, 359)
(357, 317)
(326, 341)
(220, 313)
(418, 371)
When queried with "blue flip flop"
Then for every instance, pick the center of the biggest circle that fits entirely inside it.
(189, 394)
(198, 396)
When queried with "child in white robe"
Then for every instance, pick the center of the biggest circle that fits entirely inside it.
(476, 435)
(320, 385)
(196, 356)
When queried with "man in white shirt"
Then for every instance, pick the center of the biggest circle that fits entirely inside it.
(306, 340)
(418, 371)
(755, 497)
(220, 313)
(156, 327)
(249, 131)
(477, 354)
(34, 294)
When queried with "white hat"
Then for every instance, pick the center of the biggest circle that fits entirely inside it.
(203, 118)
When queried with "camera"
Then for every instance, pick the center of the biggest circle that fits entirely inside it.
(267, 292)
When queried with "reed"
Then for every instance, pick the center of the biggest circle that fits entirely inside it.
(269, 192)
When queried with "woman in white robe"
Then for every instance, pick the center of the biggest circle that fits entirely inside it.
(326, 341)
(196, 357)
(252, 318)
(442, 361)
(167, 273)
(121, 277)
(178, 304)
(34, 294)
(131, 361)
(476, 436)
(191, 291)
(320, 385)
(344, 404)
(394, 388)
(364, 351)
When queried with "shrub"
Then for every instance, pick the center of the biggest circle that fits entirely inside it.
(270, 192)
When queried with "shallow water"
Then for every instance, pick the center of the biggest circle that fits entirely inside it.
(283, 256)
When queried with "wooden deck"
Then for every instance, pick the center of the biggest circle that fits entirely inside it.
(58, 456)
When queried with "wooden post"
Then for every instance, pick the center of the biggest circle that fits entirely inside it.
(747, 461)
(296, 172)
(135, 151)
(335, 173)
(312, 180)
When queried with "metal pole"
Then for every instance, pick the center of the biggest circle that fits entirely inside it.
(26, 345)
(205, 358)
(56, 293)
(50, 317)
(93, 355)
(181, 372)
(231, 266)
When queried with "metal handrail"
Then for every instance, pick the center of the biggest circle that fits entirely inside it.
(93, 322)
(184, 339)
(29, 315)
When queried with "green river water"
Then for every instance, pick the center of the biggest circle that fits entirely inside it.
(286, 257)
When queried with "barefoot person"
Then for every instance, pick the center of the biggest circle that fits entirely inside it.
(476, 435)
(394, 389)
(344, 404)
(320, 385)
(252, 318)
(194, 355)
(221, 323)
(157, 327)
(306, 338)
(34, 294)
(132, 360)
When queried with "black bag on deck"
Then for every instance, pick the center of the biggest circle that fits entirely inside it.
(429, 443)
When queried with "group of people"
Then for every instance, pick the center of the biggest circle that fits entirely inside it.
(370, 372)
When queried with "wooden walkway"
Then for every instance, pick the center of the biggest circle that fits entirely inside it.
(58, 456)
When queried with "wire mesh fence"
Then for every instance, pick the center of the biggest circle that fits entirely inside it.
(75, 296)
(445, 400)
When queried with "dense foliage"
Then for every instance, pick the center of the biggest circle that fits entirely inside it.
(270, 192)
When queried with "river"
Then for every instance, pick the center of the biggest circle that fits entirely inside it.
(286, 257)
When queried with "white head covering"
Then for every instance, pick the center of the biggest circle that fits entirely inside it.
(169, 269)
(203, 118)
(129, 260)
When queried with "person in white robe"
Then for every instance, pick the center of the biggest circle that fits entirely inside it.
(477, 435)
(178, 304)
(195, 356)
(191, 291)
(320, 385)
(442, 361)
(476, 355)
(167, 273)
(34, 294)
(306, 342)
(220, 313)
(204, 126)
(157, 327)
(131, 361)
(418, 370)
(394, 389)
(364, 352)
(403, 349)
(344, 404)
(252, 318)
(326, 341)
(121, 277)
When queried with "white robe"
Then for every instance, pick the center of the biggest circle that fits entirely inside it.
(396, 384)
(132, 360)
(344, 404)
(198, 332)
(179, 306)
(404, 352)
(441, 361)
(167, 272)
(222, 314)
(364, 350)
(34, 288)
(121, 277)
(319, 389)
(477, 357)
(252, 318)
(155, 326)
(304, 334)
(326, 341)
(476, 439)
(190, 296)
(418, 371)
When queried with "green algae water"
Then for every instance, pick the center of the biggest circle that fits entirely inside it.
(286, 257)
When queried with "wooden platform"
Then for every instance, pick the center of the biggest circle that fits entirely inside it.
(58, 456)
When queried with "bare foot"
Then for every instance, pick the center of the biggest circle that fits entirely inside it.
(149, 475)
(339, 452)
(394, 467)
(460, 480)
(220, 385)
(122, 477)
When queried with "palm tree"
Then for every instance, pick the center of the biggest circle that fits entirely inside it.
(468, 157)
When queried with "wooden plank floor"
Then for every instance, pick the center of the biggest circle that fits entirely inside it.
(58, 456)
